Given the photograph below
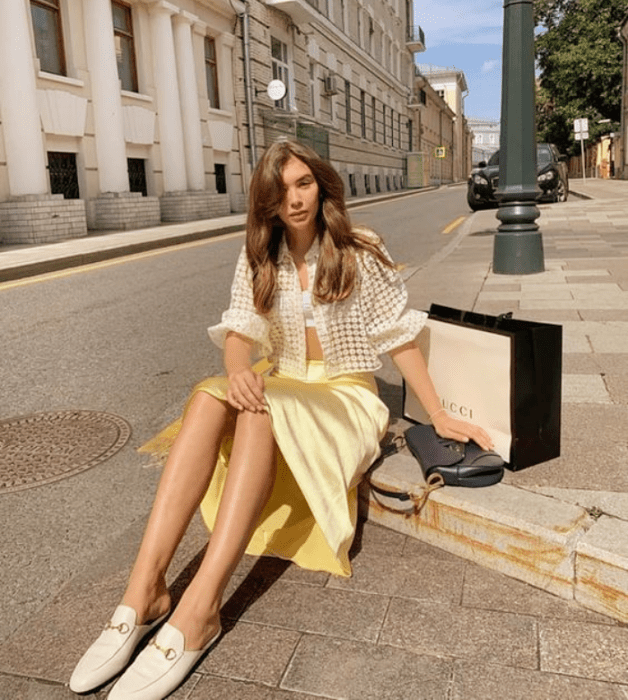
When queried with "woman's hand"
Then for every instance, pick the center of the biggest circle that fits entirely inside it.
(449, 427)
(246, 391)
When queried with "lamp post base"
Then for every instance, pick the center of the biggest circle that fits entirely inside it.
(518, 253)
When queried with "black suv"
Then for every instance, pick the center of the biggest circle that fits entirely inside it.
(551, 177)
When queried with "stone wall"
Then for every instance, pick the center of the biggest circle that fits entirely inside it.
(41, 219)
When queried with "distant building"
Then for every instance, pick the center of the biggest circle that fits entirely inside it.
(451, 85)
(485, 138)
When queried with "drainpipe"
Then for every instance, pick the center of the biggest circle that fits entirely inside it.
(248, 83)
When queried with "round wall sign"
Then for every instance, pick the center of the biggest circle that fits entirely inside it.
(276, 89)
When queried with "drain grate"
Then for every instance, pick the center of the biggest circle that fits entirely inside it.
(44, 447)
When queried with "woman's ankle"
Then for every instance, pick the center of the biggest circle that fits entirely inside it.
(149, 601)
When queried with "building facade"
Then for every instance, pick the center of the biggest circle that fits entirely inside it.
(451, 85)
(347, 65)
(115, 115)
(120, 114)
(486, 134)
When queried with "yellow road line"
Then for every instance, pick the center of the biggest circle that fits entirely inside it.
(453, 225)
(132, 257)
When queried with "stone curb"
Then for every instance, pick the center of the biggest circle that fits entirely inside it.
(558, 547)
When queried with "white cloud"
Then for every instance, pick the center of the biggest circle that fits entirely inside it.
(489, 66)
(460, 21)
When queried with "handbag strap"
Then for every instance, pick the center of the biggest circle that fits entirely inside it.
(419, 499)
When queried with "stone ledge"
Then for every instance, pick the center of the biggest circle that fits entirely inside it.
(555, 546)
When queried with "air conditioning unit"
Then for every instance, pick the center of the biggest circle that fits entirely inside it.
(331, 84)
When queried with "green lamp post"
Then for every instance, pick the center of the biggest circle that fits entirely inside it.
(518, 245)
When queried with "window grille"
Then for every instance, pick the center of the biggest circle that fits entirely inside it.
(137, 175)
(221, 178)
(63, 174)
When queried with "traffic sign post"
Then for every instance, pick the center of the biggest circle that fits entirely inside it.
(581, 129)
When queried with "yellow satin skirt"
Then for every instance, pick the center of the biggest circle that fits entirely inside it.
(328, 433)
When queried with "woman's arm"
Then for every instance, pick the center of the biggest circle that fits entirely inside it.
(411, 363)
(246, 387)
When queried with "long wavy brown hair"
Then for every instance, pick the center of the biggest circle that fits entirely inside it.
(336, 272)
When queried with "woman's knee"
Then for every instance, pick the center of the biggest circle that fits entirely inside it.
(207, 409)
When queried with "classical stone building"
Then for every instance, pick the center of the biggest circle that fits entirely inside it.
(119, 114)
(115, 115)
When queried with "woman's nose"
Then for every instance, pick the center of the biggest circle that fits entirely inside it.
(294, 198)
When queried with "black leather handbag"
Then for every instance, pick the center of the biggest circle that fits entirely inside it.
(458, 463)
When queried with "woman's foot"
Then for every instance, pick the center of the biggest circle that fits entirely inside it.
(149, 602)
(113, 649)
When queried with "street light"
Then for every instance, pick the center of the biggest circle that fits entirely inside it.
(518, 246)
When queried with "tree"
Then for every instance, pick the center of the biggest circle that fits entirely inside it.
(579, 56)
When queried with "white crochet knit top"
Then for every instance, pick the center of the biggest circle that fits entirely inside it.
(372, 320)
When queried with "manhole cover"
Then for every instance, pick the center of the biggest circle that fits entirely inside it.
(44, 447)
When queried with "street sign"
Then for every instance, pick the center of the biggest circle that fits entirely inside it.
(581, 128)
(440, 152)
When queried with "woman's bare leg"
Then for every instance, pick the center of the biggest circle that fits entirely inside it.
(249, 484)
(184, 481)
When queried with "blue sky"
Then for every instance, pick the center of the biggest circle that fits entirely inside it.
(467, 35)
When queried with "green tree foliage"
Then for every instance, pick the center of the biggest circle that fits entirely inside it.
(579, 57)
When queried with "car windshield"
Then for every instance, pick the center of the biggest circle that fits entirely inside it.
(543, 155)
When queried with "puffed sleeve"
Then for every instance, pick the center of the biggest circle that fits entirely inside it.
(383, 299)
(241, 316)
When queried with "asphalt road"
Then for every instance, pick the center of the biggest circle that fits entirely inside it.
(128, 337)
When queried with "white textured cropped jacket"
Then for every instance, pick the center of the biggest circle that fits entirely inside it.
(372, 320)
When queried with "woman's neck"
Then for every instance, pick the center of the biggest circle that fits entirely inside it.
(300, 243)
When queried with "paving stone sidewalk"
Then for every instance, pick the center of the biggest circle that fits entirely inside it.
(415, 621)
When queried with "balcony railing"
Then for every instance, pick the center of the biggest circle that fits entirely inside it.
(415, 40)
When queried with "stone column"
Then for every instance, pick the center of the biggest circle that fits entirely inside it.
(106, 99)
(168, 104)
(23, 139)
(188, 93)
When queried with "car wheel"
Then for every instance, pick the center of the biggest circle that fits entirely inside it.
(561, 192)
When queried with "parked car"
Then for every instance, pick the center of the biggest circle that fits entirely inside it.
(551, 176)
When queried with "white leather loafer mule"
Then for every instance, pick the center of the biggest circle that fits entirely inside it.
(111, 652)
(160, 667)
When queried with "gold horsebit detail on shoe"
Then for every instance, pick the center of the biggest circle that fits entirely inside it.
(169, 653)
(123, 628)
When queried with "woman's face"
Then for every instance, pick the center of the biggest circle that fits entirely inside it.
(299, 206)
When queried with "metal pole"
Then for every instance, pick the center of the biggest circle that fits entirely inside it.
(584, 169)
(248, 83)
(518, 244)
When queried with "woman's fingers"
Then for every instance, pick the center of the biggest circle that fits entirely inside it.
(246, 391)
(448, 427)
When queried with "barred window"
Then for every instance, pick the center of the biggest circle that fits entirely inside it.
(211, 72)
(348, 105)
(46, 18)
(125, 45)
(363, 112)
